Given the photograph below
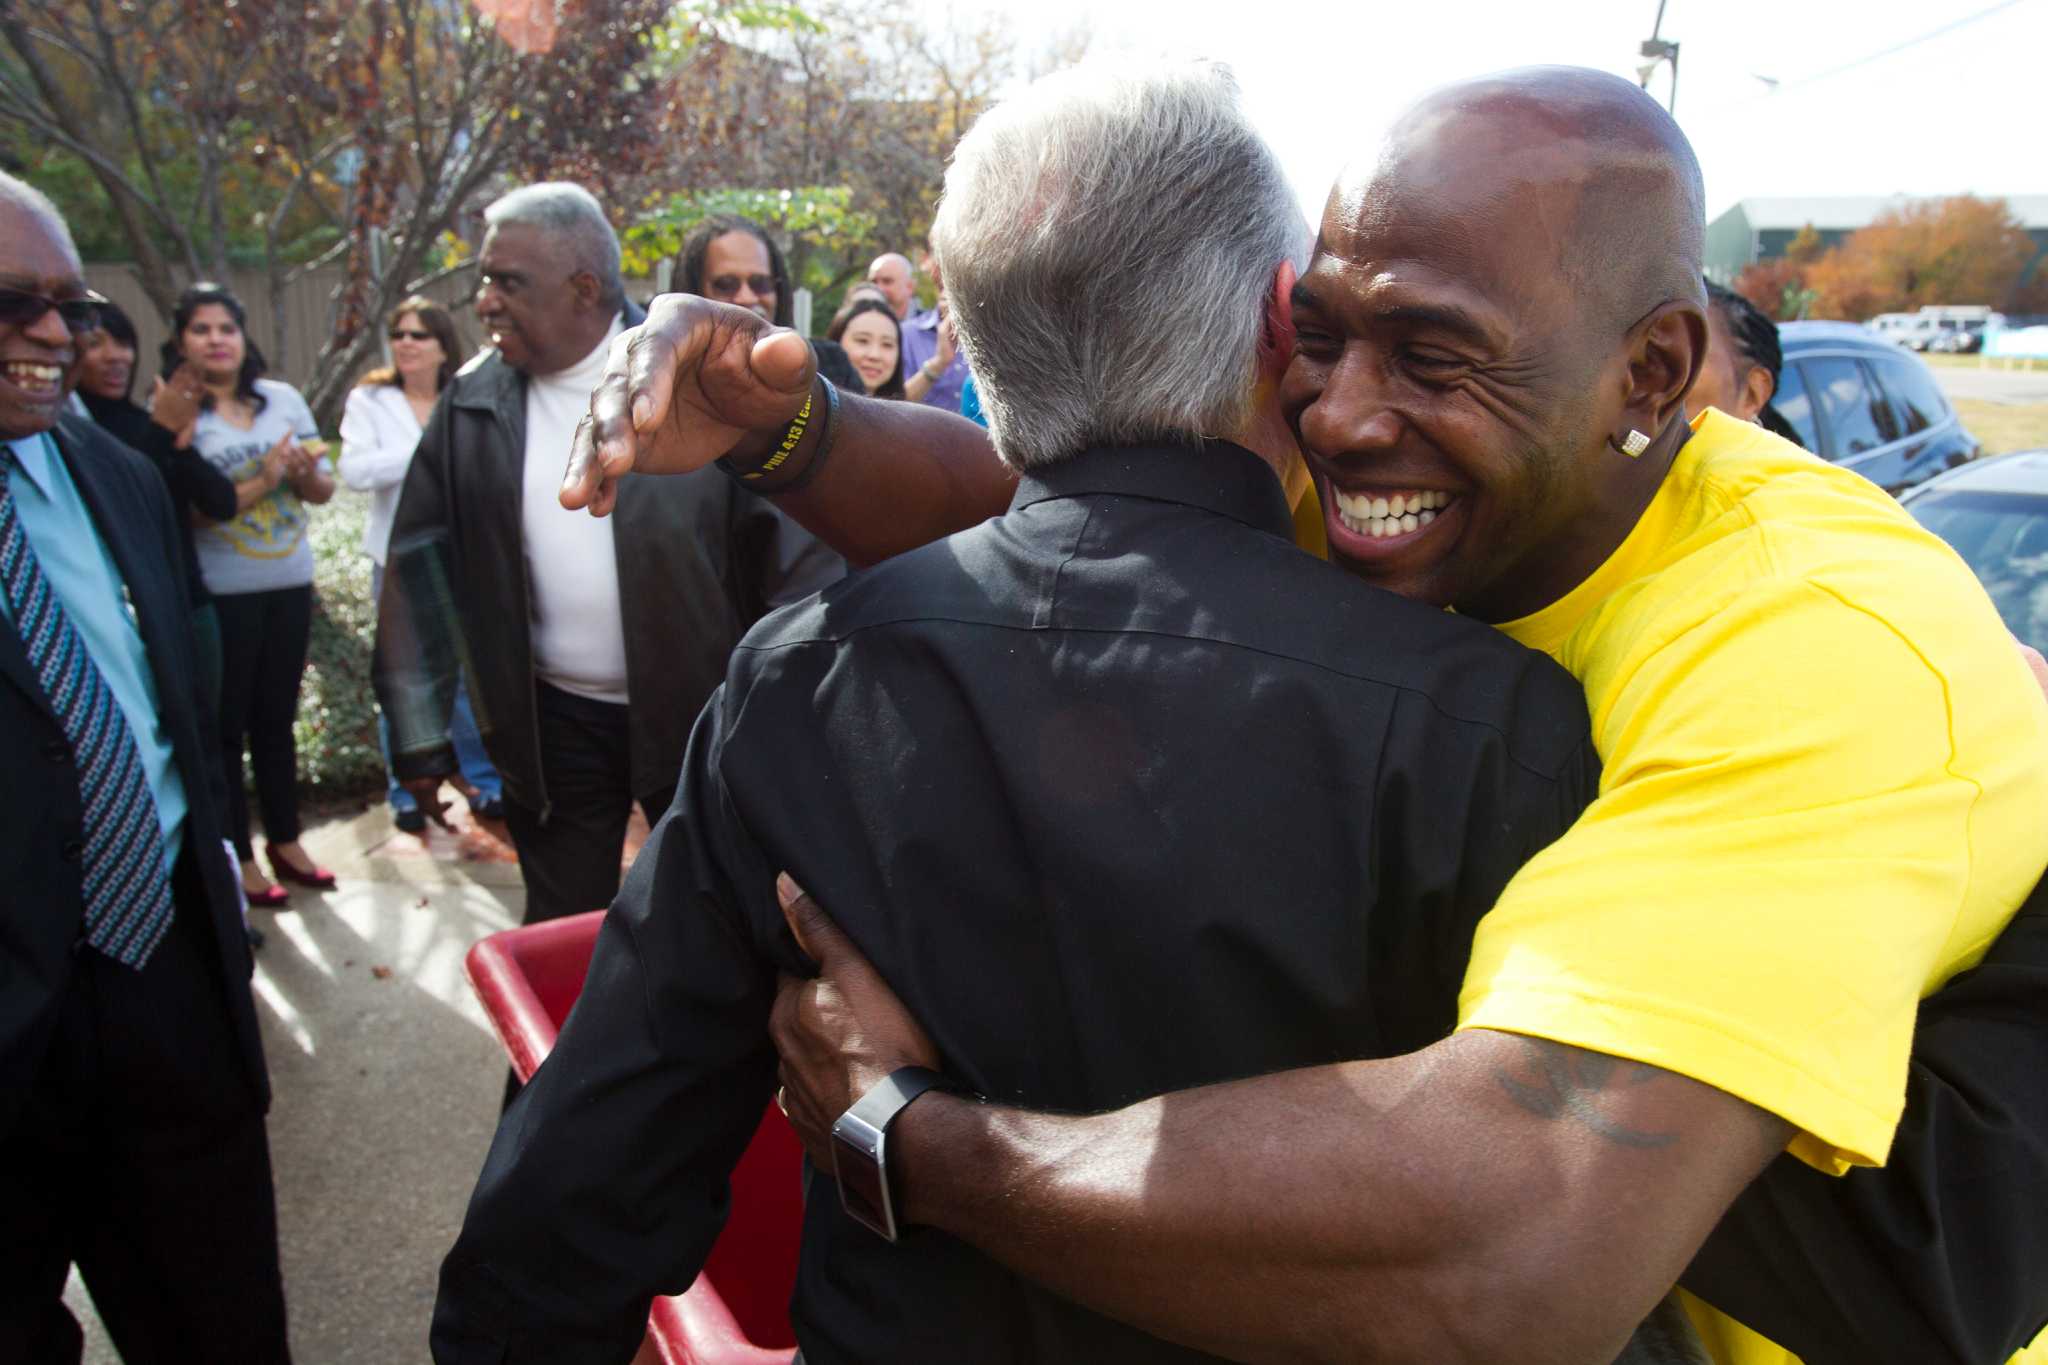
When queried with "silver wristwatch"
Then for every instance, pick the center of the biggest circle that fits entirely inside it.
(860, 1147)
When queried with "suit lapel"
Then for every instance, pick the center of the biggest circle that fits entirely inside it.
(19, 671)
(114, 515)
(15, 665)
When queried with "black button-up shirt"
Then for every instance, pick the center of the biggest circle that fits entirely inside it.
(1121, 791)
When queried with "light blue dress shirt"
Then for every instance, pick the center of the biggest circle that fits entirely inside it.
(82, 573)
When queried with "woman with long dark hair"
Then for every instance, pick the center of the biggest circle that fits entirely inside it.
(258, 565)
(873, 340)
(380, 429)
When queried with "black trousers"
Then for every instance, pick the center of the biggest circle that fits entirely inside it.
(263, 637)
(570, 863)
(141, 1156)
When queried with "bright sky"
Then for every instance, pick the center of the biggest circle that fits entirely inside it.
(1960, 111)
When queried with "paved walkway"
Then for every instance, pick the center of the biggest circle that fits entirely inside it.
(387, 1079)
(1991, 384)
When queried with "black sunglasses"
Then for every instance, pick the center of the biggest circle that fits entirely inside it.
(728, 286)
(402, 334)
(20, 308)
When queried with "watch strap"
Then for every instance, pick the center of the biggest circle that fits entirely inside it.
(892, 1094)
(860, 1147)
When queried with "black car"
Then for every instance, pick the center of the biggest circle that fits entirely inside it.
(1865, 404)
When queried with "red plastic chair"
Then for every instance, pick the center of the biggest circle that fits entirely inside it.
(737, 1313)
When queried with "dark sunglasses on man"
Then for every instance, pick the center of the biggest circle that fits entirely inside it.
(728, 286)
(20, 308)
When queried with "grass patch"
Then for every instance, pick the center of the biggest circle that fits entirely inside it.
(2016, 364)
(2001, 427)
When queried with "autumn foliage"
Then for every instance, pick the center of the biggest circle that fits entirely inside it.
(1944, 251)
(309, 133)
(1778, 286)
(360, 137)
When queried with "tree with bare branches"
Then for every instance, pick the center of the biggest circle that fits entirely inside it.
(360, 132)
(869, 95)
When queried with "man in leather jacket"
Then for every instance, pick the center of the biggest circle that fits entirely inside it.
(584, 697)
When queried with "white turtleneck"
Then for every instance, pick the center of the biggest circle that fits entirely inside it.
(579, 636)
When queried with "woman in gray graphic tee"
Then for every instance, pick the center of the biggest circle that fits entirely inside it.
(259, 567)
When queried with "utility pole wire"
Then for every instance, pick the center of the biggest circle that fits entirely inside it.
(1896, 48)
(1778, 87)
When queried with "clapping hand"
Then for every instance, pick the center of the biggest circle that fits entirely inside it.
(281, 460)
(306, 457)
(942, 357)
(174, 403)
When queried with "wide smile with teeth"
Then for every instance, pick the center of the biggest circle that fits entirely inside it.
(1380, 515)
(33, 377)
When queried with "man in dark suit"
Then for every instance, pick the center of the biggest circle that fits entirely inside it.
(132, 1083)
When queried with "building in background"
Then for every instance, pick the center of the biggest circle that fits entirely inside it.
(1761, 229)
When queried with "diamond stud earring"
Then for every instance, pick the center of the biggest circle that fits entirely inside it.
(1636, 443)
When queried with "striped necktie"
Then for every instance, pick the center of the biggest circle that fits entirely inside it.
(127, 894)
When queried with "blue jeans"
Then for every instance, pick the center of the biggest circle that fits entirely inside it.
(462, 733)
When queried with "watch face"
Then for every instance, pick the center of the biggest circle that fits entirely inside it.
(861, 1191)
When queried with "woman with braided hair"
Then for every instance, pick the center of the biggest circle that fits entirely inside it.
(1740, 376)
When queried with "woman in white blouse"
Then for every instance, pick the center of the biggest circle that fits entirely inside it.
(380, 428)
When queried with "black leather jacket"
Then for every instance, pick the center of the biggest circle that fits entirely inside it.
(699, 561)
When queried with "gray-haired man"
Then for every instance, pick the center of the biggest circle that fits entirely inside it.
(1073, 778)
(1188, 1212)
(583, 698)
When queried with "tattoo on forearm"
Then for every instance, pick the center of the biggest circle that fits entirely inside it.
(1560, 1082)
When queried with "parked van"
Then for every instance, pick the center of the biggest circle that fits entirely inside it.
(1923, 330)
(1917, 331)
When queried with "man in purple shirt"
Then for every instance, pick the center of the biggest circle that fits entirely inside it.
(933, 368)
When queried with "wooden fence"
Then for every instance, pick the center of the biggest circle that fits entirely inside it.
(308, 314)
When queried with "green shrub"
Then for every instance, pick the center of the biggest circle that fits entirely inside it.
(337, 722)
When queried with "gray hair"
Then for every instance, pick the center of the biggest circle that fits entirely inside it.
(29, 199)
(1108, 239)
(572, 213)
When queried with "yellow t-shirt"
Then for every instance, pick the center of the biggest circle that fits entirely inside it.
(1730, 1343)
(1824, 770)
(1308, 523)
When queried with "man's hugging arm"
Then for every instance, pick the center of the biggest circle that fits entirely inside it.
(700, 381)
(1491, 1197)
